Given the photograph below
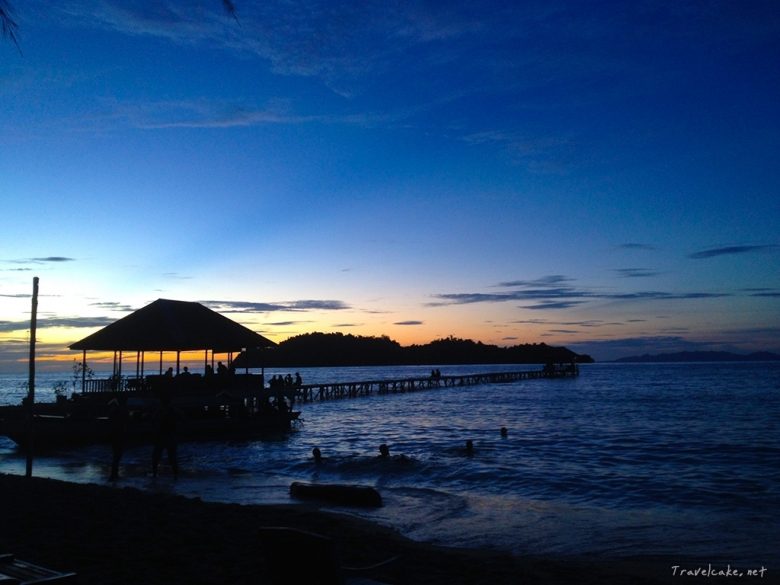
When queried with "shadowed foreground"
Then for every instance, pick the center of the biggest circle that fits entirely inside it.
(125, 536)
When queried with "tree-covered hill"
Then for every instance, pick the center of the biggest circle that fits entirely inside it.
(337, 349)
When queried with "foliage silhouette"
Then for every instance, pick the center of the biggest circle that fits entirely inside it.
(337, 349)
(10, 27)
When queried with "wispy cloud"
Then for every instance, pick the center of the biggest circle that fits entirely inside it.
(540, 154)
(203, 113)
(552, 305)
(41, 260)
(113, 306)
(545, 281)
(635, 272)
(731, 251)
(554, 292)
(636, 246)
(43, 323)
(410, 322)
(288, 306)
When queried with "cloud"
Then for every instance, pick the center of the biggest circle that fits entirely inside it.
(635, 272)
(636, 246)
(587, 323)
(540, 154)
(552, 292)
(203, 113)
(653, 295)
(553, 305)
(408, 323)
(54, 259)
(41, 260)
(545, 281)
(290, 306)
(113, 306)
(730, 251)
(46, 322)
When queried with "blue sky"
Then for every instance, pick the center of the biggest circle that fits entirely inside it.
(600, 175)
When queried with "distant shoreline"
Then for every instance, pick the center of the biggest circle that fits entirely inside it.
(699, 357)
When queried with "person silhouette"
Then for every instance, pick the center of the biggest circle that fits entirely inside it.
(118, 418)
(384, 451)
(317, 454)
(165, 438)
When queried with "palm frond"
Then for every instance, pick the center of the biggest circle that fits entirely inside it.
(230, 8)
(8, 24)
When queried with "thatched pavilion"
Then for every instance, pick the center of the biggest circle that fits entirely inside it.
(166, 326)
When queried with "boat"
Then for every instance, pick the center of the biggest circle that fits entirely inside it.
(337, 493)
(214, 405)
(204, 421)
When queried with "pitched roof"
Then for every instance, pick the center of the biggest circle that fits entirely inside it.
(167, 325)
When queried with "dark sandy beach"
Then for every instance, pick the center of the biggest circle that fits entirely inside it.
(117, 535)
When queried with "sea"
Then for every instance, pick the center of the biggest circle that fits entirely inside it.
(679, 461)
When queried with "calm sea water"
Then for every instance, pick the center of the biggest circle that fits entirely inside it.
(664, 459)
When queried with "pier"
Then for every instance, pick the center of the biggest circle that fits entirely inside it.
(253, 385)
(337, 390)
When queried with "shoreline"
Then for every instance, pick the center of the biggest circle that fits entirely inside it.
(122, 535)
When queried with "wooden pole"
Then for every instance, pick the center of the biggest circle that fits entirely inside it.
(31, 387)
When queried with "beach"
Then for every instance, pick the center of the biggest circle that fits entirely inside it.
(117, 536)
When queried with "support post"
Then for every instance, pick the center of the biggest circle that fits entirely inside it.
(31, 387)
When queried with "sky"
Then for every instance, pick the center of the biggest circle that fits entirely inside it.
(598, 175)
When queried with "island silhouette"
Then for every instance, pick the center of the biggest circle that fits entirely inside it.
(337, 349)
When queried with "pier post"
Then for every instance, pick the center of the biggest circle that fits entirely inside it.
(31, 386)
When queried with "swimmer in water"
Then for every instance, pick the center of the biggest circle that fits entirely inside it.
(504, 432)
(317, 454)
(384, 451)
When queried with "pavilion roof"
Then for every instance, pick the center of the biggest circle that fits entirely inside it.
(167, 325)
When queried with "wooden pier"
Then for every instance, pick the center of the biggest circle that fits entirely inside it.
(336, 390)
(253, 386)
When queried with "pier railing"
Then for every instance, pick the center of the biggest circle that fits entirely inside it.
(335, 390)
